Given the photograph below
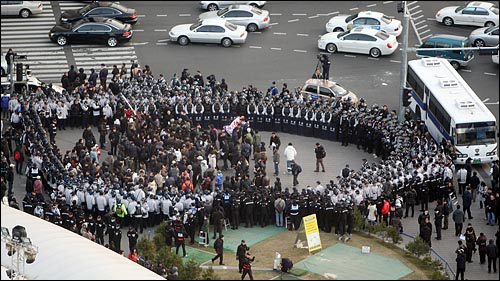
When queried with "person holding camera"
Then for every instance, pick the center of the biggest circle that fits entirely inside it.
(325, 61)
(247, 266)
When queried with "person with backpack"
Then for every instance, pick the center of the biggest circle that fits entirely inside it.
(320, 154)
(296, 170)
(19, 158)
(120, 211)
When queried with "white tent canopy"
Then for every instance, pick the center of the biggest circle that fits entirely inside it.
(63, 255)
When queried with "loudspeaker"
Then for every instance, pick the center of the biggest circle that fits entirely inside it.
(19, 72)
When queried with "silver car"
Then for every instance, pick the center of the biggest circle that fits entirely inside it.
(218, 31)
(215, 5)
(248, 16)
(484, 36)
(23, 9)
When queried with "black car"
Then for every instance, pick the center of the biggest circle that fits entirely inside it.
(91, 30)
(101, 9)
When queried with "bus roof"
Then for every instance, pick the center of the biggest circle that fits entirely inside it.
(451, 90)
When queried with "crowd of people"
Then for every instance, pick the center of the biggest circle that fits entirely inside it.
(174, 143)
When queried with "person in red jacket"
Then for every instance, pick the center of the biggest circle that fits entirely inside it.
(385, 211)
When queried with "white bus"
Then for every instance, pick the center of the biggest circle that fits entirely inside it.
(451, 110)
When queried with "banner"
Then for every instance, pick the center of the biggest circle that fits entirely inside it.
(312, 233)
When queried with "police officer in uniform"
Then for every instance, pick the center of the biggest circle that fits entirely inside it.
(249, 205)
(286, 113)
(235, 212)
(294, 216)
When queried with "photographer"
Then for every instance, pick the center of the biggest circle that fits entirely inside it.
(325, 62)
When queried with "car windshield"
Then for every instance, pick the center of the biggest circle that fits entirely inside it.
(459, 8)
(223, 11)
(338, 90)
(195, 26)
(494, 9)
(351, 17)
(490, 29)
(341, 34)
(476, 133)
(115, 23)
(231, 26)
(256, 11)
(386, 19)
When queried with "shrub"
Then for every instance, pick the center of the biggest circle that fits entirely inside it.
(418, 248)
(359, 220)
(394, 234)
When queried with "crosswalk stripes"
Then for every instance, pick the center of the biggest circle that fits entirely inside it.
(92, 56)
(30, 37)
(71, 5)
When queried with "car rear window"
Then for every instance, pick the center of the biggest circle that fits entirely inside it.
(386, 19)
(382, 35)
(231, 26)
(338, 90)
(351, 17)
(494, 9)
(256, 11)
(115, 23)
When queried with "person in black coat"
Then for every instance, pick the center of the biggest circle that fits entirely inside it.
(240, 254)
(219, 249)
(492, 253)
(426, 231)
(460, 264)
(217, 219)
(467, 201)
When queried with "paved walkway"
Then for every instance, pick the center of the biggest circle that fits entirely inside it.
(337, 157)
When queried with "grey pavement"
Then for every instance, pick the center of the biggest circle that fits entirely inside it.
(337, 157)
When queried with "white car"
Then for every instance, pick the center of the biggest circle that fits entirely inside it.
(215, 5)
(494, 59)
(250, 17)
(218, 31)
(359, 40)
(475, 13)
(23, 9)
(367, 19)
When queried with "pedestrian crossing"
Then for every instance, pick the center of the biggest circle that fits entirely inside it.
(48, 61)
(30, 37)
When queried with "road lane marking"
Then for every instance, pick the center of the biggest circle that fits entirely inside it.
(279, 33)
(299, 14)
(276, 49)
(387, 2)
(434, 19)
(275, 14)
(371, 5)
(164, 40)
(138, 30)
(139, 44)
(420, 22)
(302, 34)
(257, 32)
(417, 12)
(395, 61)
(332, 13)
(423, 26)
(466, 70)
(370, 58)
(294, 20)
(160, 30)
(313, 17)
(255, 47)
(141, 16)
(425, 31)
(413, 8)
(416, 18)
(300, 51)
(274, 23)
(486, 100)
(353, 9)
(424, 37)
(161, 15)
(489, 73)
(162, 43)
(349, 56)
(184, 15)
(411, 3)
(492, 103)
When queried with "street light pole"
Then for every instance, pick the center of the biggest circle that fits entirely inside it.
(404, 64)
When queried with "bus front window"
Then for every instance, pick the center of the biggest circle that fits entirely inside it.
(476, 133)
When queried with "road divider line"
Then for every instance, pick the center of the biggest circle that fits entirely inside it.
(350, 56)
(138, 30)
(275, 14)
(313, 17)
(162, 43)
(184, 15)
(274, 23)
(160, 30)
(300, 51)
(353, 9)
(491, 103)
(387, 2)
(395, 61)
(161, 15)
(420, 22)
(370, 58)
(332, 13)
(164, 40)
(413, 8)
(299, 14)
(489, 73)
(371, 5)
(423, 26)
(276, 49)
(294, 20)
(485, 100)
(279, 33)
(139, 43)
(255, 47)
(302, 34)
(466, 70)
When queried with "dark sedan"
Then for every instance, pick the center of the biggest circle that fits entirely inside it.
(101, 9)
(92, 30)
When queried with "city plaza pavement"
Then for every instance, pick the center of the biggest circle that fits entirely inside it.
(337, 157)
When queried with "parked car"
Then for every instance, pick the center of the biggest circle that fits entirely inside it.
(218, 31)
(20, 86)
(101, 9)
(474, 13)
(23, 9)
(325, 89)
(91, 30)
(456, 58)
(494, 58)
(250, 17)
(215, 5)
(359, 40)
(484, 36)
(367, 19)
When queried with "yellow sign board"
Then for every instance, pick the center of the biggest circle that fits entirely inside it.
(312, 232)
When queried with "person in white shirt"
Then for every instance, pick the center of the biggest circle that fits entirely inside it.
(290, 153)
